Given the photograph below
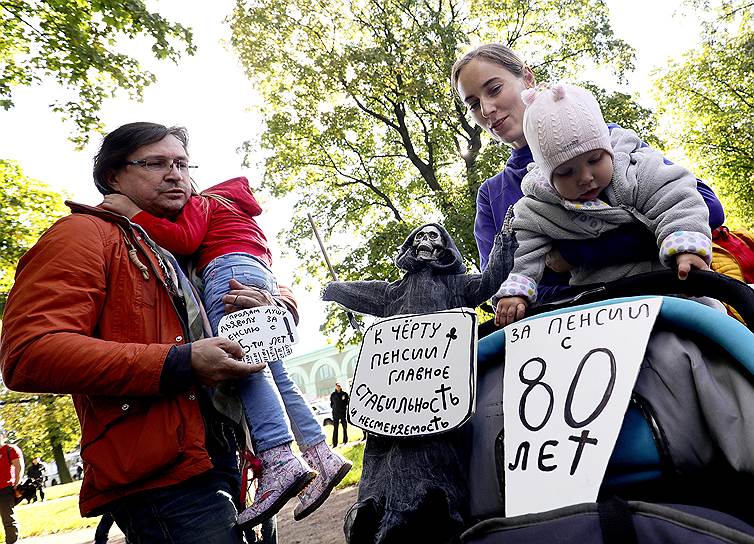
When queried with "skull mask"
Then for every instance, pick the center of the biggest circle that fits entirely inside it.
(428, 244)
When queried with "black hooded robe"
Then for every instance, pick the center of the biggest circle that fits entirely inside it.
(415, 489)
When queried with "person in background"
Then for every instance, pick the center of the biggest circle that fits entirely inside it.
(339, 405)
(11, 472)
(38, 474)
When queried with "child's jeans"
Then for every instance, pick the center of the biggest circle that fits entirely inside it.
(268, 394)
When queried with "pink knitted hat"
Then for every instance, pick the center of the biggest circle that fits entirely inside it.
(562, 122)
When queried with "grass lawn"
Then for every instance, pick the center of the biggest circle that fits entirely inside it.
(64, 490)
(58, 513)
(353, 450)
(60, 510)
(355, 453)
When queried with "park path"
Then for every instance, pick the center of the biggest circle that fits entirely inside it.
(81, 536)
(325, 526)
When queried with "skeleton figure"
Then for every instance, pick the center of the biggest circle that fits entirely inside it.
(428, 243)
(430, 284)
(414, 489)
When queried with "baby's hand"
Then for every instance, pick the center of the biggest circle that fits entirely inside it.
(120, 204)
(686, 261)
(509, 309)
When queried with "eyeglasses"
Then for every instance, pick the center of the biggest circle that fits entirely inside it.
(162, 164)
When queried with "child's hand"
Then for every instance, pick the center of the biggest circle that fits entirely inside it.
(120, 204)
(686, 261)
(509, 309)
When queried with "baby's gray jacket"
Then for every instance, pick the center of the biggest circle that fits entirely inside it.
(644, 188)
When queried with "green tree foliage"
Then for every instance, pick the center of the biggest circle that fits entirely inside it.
(709, 97)
(76, 44)
(44, 426)
(27, 207)
(361, 122)
(619, 108)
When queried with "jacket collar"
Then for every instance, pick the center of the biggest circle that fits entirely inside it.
(112, 217)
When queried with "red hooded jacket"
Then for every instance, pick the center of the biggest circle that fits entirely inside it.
(209, 227)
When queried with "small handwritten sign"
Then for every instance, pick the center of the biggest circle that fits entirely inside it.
(567, 382)
(266, 333)
(416, 374)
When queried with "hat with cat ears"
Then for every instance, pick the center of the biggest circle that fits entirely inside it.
(562, 121)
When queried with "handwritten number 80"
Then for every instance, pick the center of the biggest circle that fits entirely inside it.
(531, 384)
(568, 414)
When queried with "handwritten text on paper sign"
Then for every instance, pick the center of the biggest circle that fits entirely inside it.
(567, 381)
(266, 333)
(415, 374)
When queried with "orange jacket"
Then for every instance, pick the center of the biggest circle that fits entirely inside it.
(83, 319)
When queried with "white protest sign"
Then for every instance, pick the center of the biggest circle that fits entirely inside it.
(567, 383)
(266, 333)
(416, 374)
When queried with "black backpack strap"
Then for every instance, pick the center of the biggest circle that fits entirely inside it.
(616, 523)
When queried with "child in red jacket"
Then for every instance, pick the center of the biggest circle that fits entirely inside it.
(217, 228)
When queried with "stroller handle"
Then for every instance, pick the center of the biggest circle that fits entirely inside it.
(699, 283)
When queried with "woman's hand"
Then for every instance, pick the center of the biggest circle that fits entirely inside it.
(555, 262)
(509, 310)
(120, 204)
(686, 261)
(240, 297)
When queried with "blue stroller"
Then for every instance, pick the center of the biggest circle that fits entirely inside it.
(684, 459)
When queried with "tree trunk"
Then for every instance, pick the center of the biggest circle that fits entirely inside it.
(57, 447)
(63, 473)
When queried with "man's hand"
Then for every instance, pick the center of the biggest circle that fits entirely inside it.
(120, 204)
(555, 262)
(215, 360)
(240, 296)
(510, 309)
(686, 261)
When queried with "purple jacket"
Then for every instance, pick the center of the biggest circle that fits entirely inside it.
(632, 242)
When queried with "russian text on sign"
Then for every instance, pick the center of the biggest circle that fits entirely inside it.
(567, 381)
(266, 333)
(415, 374)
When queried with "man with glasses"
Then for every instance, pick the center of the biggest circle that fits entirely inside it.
(101, 312)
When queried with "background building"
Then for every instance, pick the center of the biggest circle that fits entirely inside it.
(317, 372)
(72, 459)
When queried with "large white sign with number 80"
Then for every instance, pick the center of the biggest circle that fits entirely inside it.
(568, 379)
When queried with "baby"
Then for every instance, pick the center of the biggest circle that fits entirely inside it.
(585, 181)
